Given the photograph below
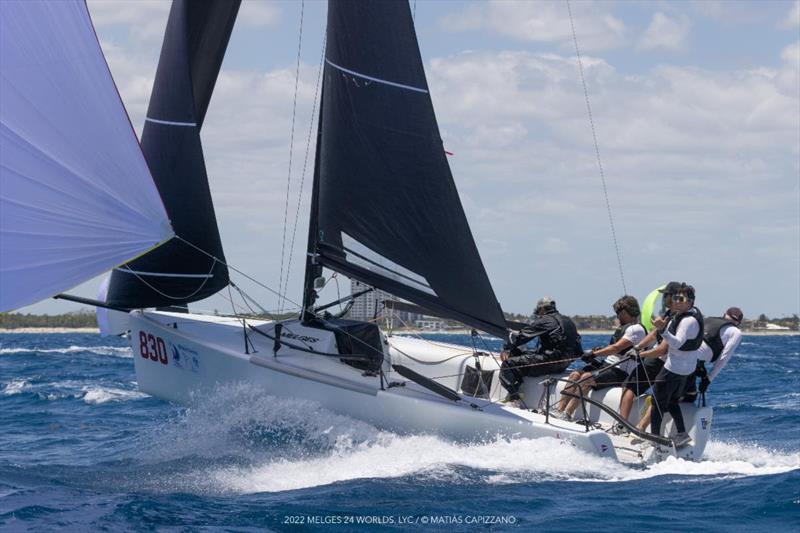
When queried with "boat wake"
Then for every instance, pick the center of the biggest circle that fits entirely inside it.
(241, 441)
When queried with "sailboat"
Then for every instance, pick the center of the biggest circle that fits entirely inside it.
(384, 211)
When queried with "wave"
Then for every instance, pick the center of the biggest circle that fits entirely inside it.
(782, 402)
(98, 395)
(113, 351)
(15, 386)
(252, 443)
(59, 390)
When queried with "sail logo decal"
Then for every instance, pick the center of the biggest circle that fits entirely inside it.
(153, 348)
(301, 338)
(704, 423)
(184, 357)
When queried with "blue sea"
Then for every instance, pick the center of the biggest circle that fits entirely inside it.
(82, 449)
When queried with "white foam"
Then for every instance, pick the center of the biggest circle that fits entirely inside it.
(280, 445)
(15, 387)
(519, 460)
(113, 351)
(98, 395)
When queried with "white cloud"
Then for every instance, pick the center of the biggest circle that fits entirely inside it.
(732, 13)
(258, 14)
(144, 19)
(542, 21)
(665, 32)
(788, 77)
(685, 150)
(792, 19)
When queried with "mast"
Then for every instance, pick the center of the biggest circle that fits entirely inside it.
(313, 265)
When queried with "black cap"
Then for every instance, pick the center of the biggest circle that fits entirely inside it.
(735, 313)
(671, 288)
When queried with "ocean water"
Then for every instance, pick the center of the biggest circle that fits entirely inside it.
(82, 449)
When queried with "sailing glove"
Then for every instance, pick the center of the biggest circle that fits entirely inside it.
(634, 354)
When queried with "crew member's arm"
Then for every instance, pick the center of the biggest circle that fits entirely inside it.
(734, 337)
(618, 347)
(648, 340)
(658, 351)
(527, 334)
(687, 329)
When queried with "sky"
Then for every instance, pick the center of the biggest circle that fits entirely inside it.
(695, 106)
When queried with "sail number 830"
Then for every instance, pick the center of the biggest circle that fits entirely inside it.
(152, 347)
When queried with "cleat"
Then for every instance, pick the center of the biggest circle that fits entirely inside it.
(618, 429)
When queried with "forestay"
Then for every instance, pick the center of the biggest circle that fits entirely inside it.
(76, 196)
(385, 209)
(177, 273)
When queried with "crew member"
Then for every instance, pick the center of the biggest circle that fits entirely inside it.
(615, 369)
(683, 336)
(643, 376)
(721, 338)
(559, 342)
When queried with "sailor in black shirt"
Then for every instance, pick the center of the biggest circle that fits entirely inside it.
(559, 343)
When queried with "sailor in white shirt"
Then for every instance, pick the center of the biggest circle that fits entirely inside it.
(614, 371)
(721, 338)
(683, 335)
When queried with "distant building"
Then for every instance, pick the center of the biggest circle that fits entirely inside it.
(370, 306)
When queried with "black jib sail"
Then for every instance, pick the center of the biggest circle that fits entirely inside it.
(177, 273)
(385, 209)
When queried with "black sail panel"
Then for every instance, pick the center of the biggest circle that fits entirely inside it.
(389, 213)
(178, 273)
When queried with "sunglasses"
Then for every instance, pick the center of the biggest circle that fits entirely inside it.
(679, 298)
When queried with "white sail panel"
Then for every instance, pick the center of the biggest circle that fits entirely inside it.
(76, 195)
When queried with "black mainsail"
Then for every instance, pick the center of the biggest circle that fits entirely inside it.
(385, 209)
(178, 273)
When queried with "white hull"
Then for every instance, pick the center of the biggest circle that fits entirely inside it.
(179, 355)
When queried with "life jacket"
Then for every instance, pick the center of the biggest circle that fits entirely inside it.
(711, 334)
(620, 332)
(691, 344)
(566, 340)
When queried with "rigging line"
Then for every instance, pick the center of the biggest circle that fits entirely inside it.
(418, 336)
(230, 299)
(291, 151)
(230, 294)
(249, 299)
(597, 150)
(165, 295)
(262, 285)
(305, 165)
(338, 294)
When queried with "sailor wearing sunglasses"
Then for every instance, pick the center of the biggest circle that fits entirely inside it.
(682, 332)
